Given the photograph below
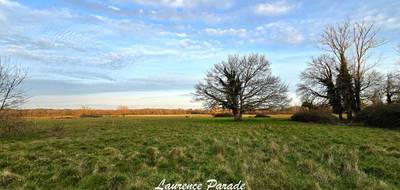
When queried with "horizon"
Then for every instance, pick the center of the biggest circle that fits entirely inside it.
(150, 54)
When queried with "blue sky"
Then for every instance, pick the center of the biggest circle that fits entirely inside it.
(150, 53)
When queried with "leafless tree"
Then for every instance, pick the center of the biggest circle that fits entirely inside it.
(349, 44)
(11, 78)
(336, 39)
(371, 81)
(316, 78)
(11, 96)
(123, 110)
(364, 37)
(391, 88)
(242, 84)
(318, 83)
(374, 94)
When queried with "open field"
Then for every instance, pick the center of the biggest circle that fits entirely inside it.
(138, 152)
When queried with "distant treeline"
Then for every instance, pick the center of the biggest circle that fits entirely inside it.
(121, 111)
(85, 112)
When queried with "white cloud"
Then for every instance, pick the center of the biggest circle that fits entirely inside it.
(195, 45)
(114, 8)
(221, 32)
(181, 35)
(272, 9)
(170, 10)
(383, 20)
(8, 3)
(222, 4)
(272, 32)
(60, 38)
(31, 35)
(280, 31)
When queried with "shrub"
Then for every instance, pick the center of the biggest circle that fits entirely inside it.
(197, 112)
(225, 114)
(262, 115)
(385, 116)
(315, 116)
(11, 122)
(89, 116)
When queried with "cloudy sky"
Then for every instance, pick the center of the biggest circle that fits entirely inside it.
(150, 53)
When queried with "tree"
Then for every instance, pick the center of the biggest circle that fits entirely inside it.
(364, 38)
(318, 83)
(349, 46)
(242, 84)
(374, 93)
(336, 40)
(11, 96)
(11, 79)
(345, 89)
(123, 110)
(391, 88)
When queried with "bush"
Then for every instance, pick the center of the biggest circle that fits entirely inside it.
(262, 115)
(11, 122)
(315, 116)
(385, 116)
(226, 114)
(89, 116)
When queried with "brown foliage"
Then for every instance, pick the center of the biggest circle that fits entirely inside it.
(11, 121)
(85, 111)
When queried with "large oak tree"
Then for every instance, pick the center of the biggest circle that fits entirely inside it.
(242, 84)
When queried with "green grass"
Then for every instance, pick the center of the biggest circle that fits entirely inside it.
(138, 152)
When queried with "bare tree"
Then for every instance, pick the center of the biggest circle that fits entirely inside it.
(11, 78)
(364, 37)
(242, 84)
(391, 88)
(11, 96)
(349, 45)
(371, 81)
(337, 41)
(318, 83)
(123, 110)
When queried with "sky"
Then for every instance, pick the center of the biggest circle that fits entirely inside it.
(150, 53)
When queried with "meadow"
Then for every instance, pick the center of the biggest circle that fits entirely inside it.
(139, 152)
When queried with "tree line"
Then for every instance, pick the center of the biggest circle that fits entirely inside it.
(86, 111)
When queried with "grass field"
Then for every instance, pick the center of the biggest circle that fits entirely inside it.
(138, 152)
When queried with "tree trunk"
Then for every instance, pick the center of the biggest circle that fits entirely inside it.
(388, 98)
(237, 115)
(340, 116)
(349, 115)
(357, 106)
